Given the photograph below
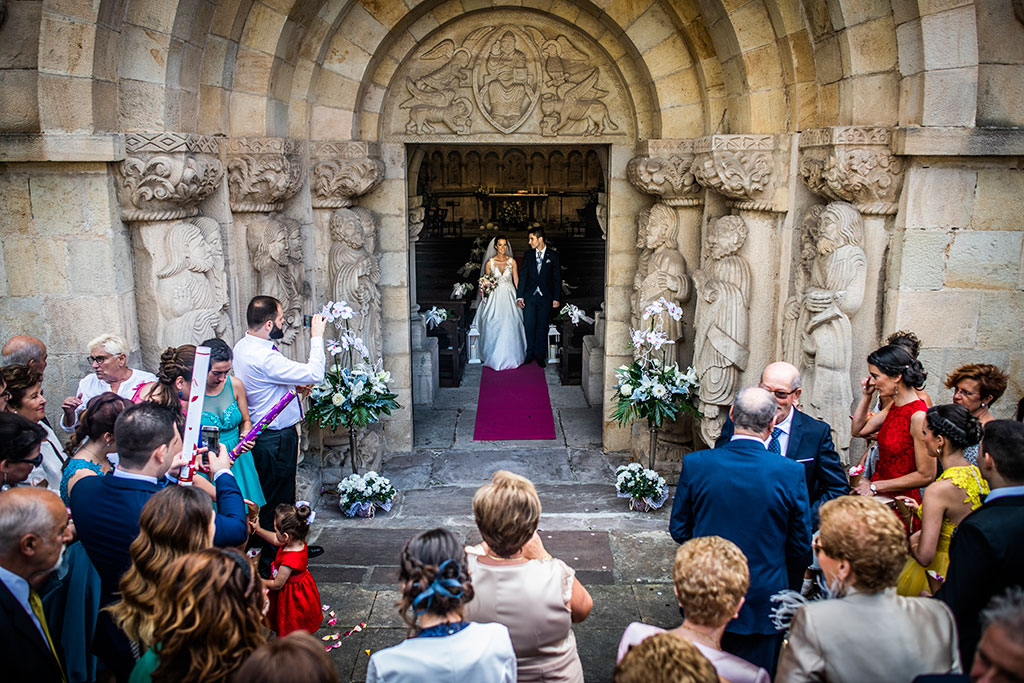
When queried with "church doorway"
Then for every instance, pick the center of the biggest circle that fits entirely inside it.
(469, 194)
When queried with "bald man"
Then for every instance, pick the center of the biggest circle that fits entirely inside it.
(24, 350)
(800, 437)
(33, 532)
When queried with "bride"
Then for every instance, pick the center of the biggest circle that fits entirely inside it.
(498, 319)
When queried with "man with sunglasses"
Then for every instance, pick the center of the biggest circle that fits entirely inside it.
(800, 437)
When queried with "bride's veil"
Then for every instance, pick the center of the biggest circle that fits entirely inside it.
(489, 253)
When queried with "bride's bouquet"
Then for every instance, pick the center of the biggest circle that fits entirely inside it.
(487, 283)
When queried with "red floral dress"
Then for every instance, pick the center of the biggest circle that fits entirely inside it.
(296, 605)
(896, 447)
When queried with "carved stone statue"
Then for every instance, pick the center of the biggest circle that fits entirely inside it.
(275, 251)
(508, 88)
(795, 320)
(721, 352)
(666, 269)
(355, 273)
(191, 288)
(642, 267)
(835, 294)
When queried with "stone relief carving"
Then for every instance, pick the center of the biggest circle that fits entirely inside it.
(343, 171)
(355, 273)
(852, 164)
(834, 295)
(666, 269)
(263, 172)
(191, 287)
(737, 166)
(417, 213)
(508, 73)
(370, 443)
(667, 177)
(721, 340)
(275, 251)
(165, 176)
(642, 266)
(795, 317)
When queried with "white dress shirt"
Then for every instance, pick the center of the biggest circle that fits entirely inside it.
(267, 376)
(19, 589)
(748, 437)
(91, 386)
(53, 461)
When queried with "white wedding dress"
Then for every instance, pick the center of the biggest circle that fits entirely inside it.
(500, 323)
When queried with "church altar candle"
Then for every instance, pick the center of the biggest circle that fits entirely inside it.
(264, 422)
(194, 415)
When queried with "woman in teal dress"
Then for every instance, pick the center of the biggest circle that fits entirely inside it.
(225, 407)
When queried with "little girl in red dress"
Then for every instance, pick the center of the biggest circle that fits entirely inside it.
(294, 599)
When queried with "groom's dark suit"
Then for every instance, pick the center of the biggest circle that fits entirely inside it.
(538, 290)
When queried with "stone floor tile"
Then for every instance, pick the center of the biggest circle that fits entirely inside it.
(643, 556)
(385, 614)
(597, 648)
(477, 468)
(657, 604)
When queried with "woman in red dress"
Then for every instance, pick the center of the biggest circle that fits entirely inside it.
(903, 462)
(294, 598)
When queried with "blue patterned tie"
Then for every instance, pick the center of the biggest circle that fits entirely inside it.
(539, 262)
(773, 443)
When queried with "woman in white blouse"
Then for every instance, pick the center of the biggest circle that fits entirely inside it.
(108, 356)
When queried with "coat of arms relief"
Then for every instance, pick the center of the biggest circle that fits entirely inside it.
(508, 75)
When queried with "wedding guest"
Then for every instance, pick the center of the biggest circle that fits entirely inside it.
(267, 377)
(866, 632)
(711, 577)
(948, 431)
(1000, 653)
(92, 441)
(108, 356)
(294, 598)
(173, 382)
(33, 531)
(986, 555)
(226, 408)
(517, 583)
(663, 658)
(976, 386)
(904, 465)
(177, 520)
(20, 440)
(210, 635)
(280, 659)
(25, 386)
(910, 342)
(24, 350)
(435, 586)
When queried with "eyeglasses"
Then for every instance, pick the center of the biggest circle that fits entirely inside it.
(779, 394)
(98, 360)
(35, 462)
(963, 392)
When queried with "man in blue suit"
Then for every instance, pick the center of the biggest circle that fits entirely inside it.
(758, 501)
(801, 438)
(106, 510)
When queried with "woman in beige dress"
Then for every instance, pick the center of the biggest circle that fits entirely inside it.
(517, 583)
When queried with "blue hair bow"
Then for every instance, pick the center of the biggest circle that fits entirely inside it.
(448, 588)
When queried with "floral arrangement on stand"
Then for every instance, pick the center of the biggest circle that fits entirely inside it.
(650, 387)
(645, 488)
(460, 290)
(487, 285)
(573, 313)
(511, 215)
(362, 495)
(355, 393)
(435, 316)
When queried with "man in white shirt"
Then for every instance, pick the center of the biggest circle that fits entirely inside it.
(267, 376)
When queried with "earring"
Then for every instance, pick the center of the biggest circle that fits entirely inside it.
(983, 405)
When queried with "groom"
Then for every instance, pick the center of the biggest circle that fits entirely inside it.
(540, 288)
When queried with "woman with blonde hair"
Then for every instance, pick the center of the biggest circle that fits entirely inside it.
(108, 357)
(175, 521)
(208, 620)
(517, 583)
(711, 577)
(663, 658)
(866, 632)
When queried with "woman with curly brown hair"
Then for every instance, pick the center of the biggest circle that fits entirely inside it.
(208, 619)
(175, 521)
(866, 632)
(976, 386)
(435, 587)
(25, 389)
(173, 382)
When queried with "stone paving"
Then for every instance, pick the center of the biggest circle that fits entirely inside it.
(623, 558)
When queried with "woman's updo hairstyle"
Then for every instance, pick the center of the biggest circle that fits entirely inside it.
(907, 339)
(955, 423)
(98, 419)
(433, 562)
(175, 363)
(895, 359)
(219, 350)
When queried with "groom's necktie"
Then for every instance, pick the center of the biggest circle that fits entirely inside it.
(540, 261)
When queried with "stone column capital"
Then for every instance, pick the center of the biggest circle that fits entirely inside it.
(164, 176)
(662, 168)
(852, 164)
(343, 171)
(742, 167)
(263, 172)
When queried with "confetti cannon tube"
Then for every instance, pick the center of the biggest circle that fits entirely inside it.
(196, 395)
(258, 428)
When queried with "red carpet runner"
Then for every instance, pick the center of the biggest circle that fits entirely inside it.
(514, 405)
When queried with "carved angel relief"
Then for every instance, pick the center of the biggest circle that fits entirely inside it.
(506, 71)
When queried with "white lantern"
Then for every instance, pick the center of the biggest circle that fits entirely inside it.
(473, 339)
(553, 339)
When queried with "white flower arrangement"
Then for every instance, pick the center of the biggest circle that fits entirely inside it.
(362, 494)
(460, 290)
(645, 488)
(572, 312)
(435, 316)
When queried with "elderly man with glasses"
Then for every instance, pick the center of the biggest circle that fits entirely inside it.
(800, 437)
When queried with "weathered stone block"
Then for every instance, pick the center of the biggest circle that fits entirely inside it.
(393, 269)
(924, 259)
(999, 203)
(872, 46)
(950, 39)
(247, 114)
(144, 54)
(911, 52)
(20, 264)
(52, 267)
(939, 197)
(1001, 95)
(140, 105)
(91, 266)
(263, 28)
(71, 205)
(950, 97)
(15, 206)
(667, 57)
(999, 325)
(22, 21)
(650, 28)
(946, 318)
(81, 319)
(19, 107)
(989, 259)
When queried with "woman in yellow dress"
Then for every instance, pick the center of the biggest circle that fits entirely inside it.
(948, 430)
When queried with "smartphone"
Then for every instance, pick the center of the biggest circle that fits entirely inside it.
(209, 438)
(307, 321)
